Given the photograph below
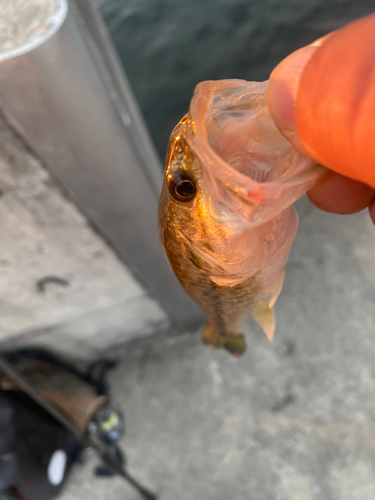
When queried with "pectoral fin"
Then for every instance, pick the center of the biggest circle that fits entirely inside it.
(265, 317)
(277, 288)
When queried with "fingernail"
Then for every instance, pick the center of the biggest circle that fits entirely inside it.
(283, 88)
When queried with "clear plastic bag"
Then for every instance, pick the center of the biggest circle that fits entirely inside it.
(251, 172)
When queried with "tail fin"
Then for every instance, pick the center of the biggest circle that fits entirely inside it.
(235, 343)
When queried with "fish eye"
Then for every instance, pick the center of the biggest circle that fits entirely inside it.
(181, 188)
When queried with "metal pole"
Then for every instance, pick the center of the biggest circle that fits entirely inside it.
(70, 101)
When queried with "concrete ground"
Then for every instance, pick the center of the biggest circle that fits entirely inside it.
(61, 285)
(291, 420)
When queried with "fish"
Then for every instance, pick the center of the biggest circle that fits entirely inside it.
(225, 213)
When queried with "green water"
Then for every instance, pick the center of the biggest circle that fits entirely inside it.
(168, 46)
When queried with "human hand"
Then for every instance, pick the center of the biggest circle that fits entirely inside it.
(322, 98)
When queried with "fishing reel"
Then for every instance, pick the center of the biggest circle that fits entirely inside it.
(107, 426)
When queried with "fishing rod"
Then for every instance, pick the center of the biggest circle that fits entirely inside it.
(103, 449)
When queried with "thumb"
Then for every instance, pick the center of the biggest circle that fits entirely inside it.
(322, 98)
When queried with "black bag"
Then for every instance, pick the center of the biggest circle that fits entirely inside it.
(36, 452)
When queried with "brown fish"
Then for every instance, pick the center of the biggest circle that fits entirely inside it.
(225, 217)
